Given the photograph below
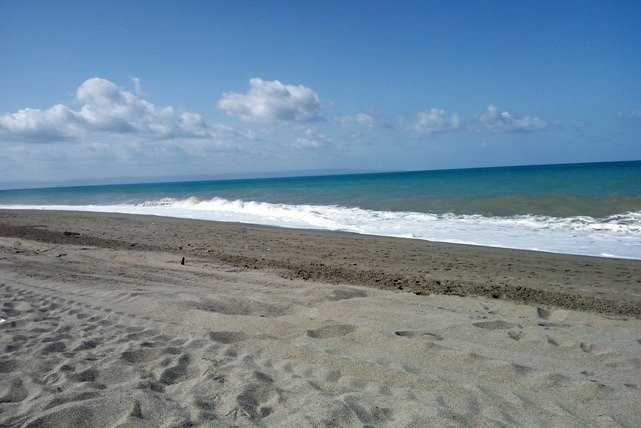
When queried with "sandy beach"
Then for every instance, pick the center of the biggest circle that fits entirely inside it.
(104, 326)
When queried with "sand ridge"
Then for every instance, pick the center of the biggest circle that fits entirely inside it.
(121, 337)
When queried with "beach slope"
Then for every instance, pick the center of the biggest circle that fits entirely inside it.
(104, 326)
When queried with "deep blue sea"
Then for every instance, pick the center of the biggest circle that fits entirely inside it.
(591, 209)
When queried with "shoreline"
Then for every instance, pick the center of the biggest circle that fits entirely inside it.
(599, 284)
(481, 247)
(610, 237)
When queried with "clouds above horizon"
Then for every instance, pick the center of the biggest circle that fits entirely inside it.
(435, 120)
(505, 121)
(430, 121)
(105, 129)
(370, 119)
(311, 138)
(107, 108)
(272, 101)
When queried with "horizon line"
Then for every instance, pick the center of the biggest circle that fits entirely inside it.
(328, 172)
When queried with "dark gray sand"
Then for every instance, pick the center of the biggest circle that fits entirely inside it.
(573, 282)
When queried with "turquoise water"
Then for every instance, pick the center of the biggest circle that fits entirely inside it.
(589, 208)
(596, 189)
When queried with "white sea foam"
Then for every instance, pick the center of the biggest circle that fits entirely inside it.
(615, 236)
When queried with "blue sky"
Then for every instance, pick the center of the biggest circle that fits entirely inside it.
(121, 89)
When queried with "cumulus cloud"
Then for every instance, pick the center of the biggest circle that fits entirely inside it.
(435, 120)
(273, 101)
(106, 108)
(311, 138)
(497, 121)
(57, 123)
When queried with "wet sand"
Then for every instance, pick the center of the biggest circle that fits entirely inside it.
(572, 282)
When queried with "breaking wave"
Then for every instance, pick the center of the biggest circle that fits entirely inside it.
(613, 236)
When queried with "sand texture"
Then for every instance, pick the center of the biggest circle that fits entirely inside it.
(573, 282)
(100, 332)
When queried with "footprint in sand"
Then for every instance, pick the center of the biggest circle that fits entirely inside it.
(587, 347)
(347, 293)
(16, 388)
(419, 335)
(141, 355)
(7, 366)
(257, 399)
(86, 345)
(494, 325)
(12, 347)
(227, 336)
(88, 375)
(543, 313)
(553, 341)
(516, 335)
(54, 347)
(178, 372)
(548, 325)
(335, 330)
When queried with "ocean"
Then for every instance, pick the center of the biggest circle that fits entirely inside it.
(590, 209)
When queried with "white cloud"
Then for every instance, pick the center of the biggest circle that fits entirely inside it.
(496, 121)
(106, 108)
(273, 101)
(426, 122)
(370, 120)
(435, 120)
(311, 138)
(363, 119)
(54, 124)
(137, 86)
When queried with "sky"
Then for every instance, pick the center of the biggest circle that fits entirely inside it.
(96, 90)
